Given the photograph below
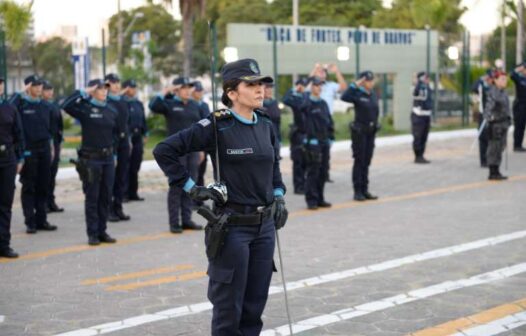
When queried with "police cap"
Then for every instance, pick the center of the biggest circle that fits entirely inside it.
(489, 72)
(131, 83)
(47, 85)
(182, 81)
(317, 81)
(367, 75)
(421, 75)
(97, 82)
(34, 80)
(112, 78)
(302, 81)
(198, 86)
(246, 70)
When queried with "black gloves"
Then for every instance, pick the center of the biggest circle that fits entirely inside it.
(280, 212)
(198, 193)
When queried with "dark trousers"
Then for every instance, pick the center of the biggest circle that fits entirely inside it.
(178, 199)
(420, 128)
(202, 171)
(497, 142)
(35, 181)
(121, 175)
(7, 193)
(519, 121)
(240, 279)
(483, 141)
(53, 173)
(362, 151)
(297, 157)
(316, 174)
(134, 167)
(97, 191)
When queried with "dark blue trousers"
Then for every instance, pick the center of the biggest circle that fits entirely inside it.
(178, 199)
(316, 175)
(135, 165)
(240, 279)
(121, 175)
(420, 128)
(362, 152)
(53, 173)
(34, 177)
(519, 121)
(98, 195)
(7, 193)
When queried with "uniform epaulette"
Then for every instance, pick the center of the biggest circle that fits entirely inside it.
(222, 114)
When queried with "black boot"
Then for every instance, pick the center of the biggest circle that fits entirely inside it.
(122, 216)
(8, 252)
(359, 195)
(369, 196)
(53, 207)
(176, 229)
(494, 174)
(106, 238)
(46, 227)
(421, 160)
(191, 225)
(112, 216)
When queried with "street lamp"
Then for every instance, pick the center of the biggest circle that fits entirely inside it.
(343, 53)
(230, 54)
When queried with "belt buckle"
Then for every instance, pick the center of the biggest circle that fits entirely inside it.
(260, 209)
(3, 148)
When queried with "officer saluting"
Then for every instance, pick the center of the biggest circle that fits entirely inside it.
(180, 113)
(56, 119)
(481, 88)
(38, 128)
(246, 144)
(100, 137)
(123, 150)
(294, 98)
(363, 131)
(318, 127)
(518, 76)
(139, 136)
(11, 160)
(421, 116)
(497, 113)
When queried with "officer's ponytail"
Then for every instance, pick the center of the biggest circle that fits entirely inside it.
(229, 85)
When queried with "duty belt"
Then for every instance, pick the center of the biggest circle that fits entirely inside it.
(95, 153)
(248, 215)
(37, 145)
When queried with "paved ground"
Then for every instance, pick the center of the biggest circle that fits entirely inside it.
(419, 261)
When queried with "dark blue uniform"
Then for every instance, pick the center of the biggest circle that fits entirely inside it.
(138, 130)
(295, 100)
(318, 128)
(11, 149)
(36, 117)
(123, 155)
(58, 138)
(205, 112)
(101, 132)
(179, 116)
(481, 88)
(363, 133)
(240, 276)
(421, 117)
(519, 109)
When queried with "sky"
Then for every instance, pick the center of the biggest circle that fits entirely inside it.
(91, 15)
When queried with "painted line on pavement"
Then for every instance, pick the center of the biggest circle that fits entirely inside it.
(484, 318)
(305, 283)
(157, 282)
(497, 327)
(396, 301)
(2, 318)
(134, 275)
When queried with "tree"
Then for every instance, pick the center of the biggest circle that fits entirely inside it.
(52, 60)
(17, 19)
(190, 9)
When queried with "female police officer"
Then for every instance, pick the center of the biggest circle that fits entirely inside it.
(247, 151)
(100, 137)
(363, 131)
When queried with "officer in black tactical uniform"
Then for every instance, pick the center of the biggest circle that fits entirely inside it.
(421, 116)
(518, 76)
(363, 131)
(318, 128)
(252, 209)
(11, 160)
(56, 119)
(36, 117)
(116, 101)
(197, 96)
(481, 88)
(295, 98)
(180, 112)
(100, 138)
(497, 113)
(139, 136)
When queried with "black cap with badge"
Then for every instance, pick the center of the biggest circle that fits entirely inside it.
(302, 81)
(182, 81)
(246, 70)
(367, 75)
(131, 83)
(34, 80)
(97, 82)
(317, 81)
(47, 85)
(198, 86)
(112, 78)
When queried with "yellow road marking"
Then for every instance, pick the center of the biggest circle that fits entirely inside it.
(159, 281)
(133, 275)
(300, 213)
(483, 317)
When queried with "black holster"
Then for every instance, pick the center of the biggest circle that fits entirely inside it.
(215, 231)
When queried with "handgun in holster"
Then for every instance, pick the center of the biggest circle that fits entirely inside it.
(215, 231)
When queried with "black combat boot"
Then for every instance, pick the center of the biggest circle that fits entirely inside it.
(421, 160)
(8, 252)
(359, 195)
(369, 196)
(191, 225)
(122, 216)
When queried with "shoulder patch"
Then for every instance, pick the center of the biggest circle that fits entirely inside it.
(204, 122)
(222, 114)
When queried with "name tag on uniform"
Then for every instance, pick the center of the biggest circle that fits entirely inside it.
(242, 151)
(95, 115)
(29, 111)
(364, 99)
(178, 109)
